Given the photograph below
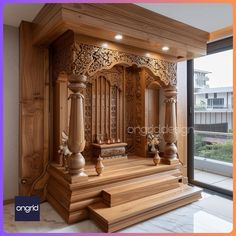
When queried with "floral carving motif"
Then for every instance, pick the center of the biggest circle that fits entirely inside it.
(149, 79)
(170, 100)
(91, 59)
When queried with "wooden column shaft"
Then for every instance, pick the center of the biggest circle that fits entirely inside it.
(170, 135)
(76, 140)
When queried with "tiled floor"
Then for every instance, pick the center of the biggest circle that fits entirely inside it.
(211, 214)
(214, 179)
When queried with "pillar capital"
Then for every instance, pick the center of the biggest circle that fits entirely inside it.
(170, 92)
(77, 83)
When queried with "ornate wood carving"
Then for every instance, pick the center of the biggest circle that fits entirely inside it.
(88, 120)
(139, 112)
(106, 103)
(106, 87)
(110, 151)
(84, 59)
(91, 59)
(130, 88)
(149, 79)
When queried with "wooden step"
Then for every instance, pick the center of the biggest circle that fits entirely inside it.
(118, 217)
(138, 189)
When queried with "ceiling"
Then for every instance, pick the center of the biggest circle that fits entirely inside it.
(204, 16)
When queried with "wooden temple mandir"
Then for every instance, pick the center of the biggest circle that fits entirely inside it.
(78, 79)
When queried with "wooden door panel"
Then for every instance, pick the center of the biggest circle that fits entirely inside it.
(31, 161)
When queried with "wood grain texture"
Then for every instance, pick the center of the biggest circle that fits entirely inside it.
(34, 114)
(121, 216)
(126, 193)
(221, 33)
(122, 88)
(72, 197)
(149, 30)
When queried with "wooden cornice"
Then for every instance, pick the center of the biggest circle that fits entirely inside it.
(141, 28)
(221, 33)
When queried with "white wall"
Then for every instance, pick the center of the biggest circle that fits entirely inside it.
(11, 111)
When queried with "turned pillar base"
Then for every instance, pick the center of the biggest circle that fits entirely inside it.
(76, 164)
(170, 155)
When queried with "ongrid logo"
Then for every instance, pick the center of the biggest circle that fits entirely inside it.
(27, 208)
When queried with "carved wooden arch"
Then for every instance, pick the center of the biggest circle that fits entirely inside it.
(112, 76)
(83, 59)
(153, 80)
(89, 59)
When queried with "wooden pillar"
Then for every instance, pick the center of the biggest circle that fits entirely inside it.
(60, 121)
(76, 140)
(170, 135)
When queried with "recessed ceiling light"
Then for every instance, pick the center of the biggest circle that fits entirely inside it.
(165, 48)
(118, 37)
(104, 45)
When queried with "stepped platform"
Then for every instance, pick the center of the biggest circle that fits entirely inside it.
(125, 184)
(111, 219)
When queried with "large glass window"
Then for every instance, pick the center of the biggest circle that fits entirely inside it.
(213, 119)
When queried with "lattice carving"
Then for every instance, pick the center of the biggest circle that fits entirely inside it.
(138, 106)
(149, 79)
(91, 59)
(88, 120)
(62, 61)
(130, 106)
(114, 76)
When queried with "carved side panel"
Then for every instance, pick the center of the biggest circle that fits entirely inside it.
(114, 107)
(139, 114)
(102, 107)
(130, 106)
(34, 115)
(88, 121)
(32, 143)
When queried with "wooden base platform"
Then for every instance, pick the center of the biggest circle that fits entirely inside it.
(121, 216)
(129, 191)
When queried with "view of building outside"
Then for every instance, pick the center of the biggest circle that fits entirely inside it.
(213, 118)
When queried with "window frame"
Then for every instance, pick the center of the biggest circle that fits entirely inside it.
(212, 48)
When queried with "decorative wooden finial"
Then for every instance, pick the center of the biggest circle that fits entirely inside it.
(156, 158)
(99, 166)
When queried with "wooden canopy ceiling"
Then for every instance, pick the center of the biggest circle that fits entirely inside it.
(140, 28)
